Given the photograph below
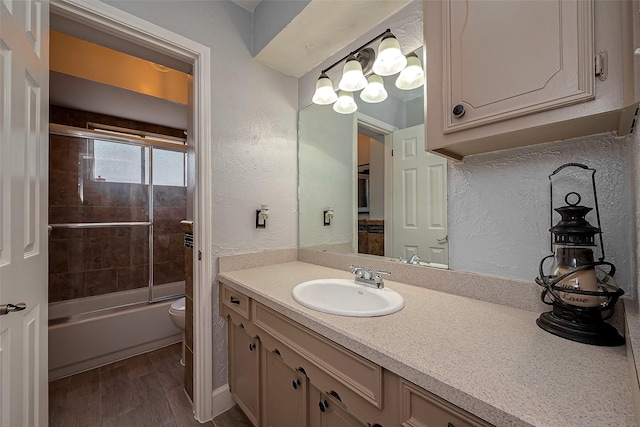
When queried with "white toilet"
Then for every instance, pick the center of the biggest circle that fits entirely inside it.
(177, 313)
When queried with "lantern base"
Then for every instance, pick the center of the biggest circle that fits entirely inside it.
(586, 328)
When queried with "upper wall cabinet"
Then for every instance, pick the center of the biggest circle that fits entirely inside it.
(509, 74)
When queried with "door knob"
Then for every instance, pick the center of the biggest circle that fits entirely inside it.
(458, 111)
(8, 308)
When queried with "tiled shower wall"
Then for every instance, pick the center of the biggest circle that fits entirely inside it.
(87, 262)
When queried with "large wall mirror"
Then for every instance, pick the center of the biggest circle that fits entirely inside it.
(387, 195)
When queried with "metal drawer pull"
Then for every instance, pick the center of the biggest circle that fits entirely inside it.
(323, 405)
(295, 384)
(276, 351)
(234, 301)
(10, 308)
(252, 347)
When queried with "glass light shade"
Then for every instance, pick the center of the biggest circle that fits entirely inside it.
(390, 59)
(345, 103)
(352, 78)
(324, 94)
(374, 91)
(412, 76)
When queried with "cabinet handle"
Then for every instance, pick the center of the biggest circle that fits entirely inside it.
(276, 351)
(323, 405)
(450, 425)
(295, 384)
(378, 425)
(252, 347)
(458, 111)
(234, 301)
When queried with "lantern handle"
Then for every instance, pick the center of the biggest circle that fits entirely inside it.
(595, 198)
(566, 165)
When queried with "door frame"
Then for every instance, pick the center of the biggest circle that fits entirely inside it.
(141, 32)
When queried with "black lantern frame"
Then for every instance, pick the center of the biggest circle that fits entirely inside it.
(573, 322)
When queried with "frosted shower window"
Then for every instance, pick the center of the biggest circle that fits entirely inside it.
(115, 162)
(169, 168)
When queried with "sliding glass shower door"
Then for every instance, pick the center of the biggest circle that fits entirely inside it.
(115, 208)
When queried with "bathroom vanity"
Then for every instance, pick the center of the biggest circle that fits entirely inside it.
(443, 358)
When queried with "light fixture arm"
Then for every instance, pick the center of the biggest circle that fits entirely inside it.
(387, 31)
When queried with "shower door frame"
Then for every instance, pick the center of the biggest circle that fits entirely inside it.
(143, 143)
(138, 31)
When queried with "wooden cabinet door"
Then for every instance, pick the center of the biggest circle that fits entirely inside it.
(244, 371)
(284, 393)
(326, 412)
(508, 59)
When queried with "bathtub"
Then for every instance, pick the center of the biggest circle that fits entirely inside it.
(86, 333)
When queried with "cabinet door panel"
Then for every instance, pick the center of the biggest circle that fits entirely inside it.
(244, 371)
(284, 393)
(508, 59)
(326, 412)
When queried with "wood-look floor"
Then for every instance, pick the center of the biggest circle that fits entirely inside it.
(142, 391)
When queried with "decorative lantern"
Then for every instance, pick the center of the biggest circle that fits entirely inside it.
(582, 291)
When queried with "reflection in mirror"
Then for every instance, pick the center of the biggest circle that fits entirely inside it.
(387, 193)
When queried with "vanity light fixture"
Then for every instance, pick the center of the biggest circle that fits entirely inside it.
(324, 94)
(375, 91)
(360, 64)
(352, 77)
(328, 216)
(261, 216)
(390, 58)
(413, 75)
(345, 103)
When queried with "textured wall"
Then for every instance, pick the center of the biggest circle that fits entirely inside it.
(254, 136)
(498, 206)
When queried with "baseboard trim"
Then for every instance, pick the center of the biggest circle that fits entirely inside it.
(222, 400)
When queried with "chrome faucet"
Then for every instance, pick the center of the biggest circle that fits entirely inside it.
(415, 259)
(368, 277)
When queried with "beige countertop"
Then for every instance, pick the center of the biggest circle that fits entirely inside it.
(489, 359)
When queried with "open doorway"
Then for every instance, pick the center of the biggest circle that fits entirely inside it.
(371, 189)
(133, 33)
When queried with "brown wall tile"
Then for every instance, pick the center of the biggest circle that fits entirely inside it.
(100, 282)
(66, 286)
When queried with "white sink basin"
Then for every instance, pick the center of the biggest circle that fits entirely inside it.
(346, 298)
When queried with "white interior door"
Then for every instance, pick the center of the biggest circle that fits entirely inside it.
(24, 106)
(419, 199)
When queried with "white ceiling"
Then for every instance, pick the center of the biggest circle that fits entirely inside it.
(322, 29)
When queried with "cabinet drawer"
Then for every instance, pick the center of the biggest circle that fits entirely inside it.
(422, 409)
(235, 301)
(353, 371)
